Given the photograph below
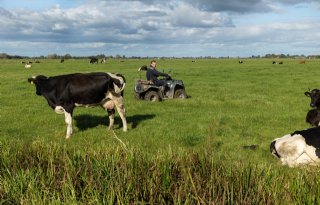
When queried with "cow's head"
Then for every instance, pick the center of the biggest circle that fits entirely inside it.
(37, 81)
(315, 97)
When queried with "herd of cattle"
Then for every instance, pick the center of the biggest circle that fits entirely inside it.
(66, 92)
(301, 147)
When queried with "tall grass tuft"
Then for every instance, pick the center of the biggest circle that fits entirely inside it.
(49, 173)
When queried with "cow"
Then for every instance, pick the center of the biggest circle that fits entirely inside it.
(27, 65)
(314, 94)
(103, 60)
(94, 60)
(302, 62)
(299, 147)
(65, 92)
(240, 61)
(313, 117)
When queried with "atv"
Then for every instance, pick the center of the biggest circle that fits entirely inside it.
(146, 90)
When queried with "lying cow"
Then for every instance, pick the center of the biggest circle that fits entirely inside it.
(300, 147)
(65, 92)
(313, 117)
(315, 97)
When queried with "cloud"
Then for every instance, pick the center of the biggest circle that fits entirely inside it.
(112, 21)
(236, 6)
(148, 27)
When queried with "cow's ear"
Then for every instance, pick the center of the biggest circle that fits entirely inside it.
(307, 94)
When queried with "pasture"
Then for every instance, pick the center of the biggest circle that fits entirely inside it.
(212, 148)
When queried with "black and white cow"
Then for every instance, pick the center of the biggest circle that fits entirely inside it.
(94, 60)
(315, 97)
(300, 147)
(65, 92)
(313, 117)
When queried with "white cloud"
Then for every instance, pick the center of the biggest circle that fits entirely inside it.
(144, 28)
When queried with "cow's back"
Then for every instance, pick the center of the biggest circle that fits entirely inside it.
(311, 135)
(88, 88)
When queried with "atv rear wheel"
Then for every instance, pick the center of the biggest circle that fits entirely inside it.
(180, 93)
(152, 96)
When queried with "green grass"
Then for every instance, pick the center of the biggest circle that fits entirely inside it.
(177, 151)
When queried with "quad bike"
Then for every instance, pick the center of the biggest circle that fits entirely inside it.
(146, 90)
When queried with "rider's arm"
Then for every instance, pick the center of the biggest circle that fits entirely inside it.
(157, 73)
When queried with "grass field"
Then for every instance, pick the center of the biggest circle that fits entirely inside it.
(177, 151)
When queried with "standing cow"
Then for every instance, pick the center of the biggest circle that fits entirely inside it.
(65, 92)
(94, 60)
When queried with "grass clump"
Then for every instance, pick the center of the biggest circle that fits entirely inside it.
(49, 173)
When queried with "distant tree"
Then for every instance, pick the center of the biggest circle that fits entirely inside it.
(67, 56)
(53, 56)
(100, 56)
(4, 56)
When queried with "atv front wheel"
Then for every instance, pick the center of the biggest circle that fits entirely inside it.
(152, 96)
(180, 93)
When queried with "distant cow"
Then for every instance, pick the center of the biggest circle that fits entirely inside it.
(300, 147)
(103, 60)
(28, 65)
(240, 62)
(62, 60)
(302, 62)
(315, 97)
(313, 117)
(65, 92)
(94, 60)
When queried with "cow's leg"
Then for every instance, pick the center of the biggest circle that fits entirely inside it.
(111, 118)
(109, 107)
(122, 112)
(118, 102)
(68, 120)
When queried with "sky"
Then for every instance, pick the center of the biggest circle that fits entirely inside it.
(169, 28)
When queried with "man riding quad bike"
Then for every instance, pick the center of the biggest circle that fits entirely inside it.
(154, 89)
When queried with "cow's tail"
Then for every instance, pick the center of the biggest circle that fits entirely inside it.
(119, 82)
(122, 88)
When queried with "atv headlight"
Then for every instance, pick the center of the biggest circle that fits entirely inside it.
(139, 88)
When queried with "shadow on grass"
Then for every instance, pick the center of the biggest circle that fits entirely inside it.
(84, 122)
